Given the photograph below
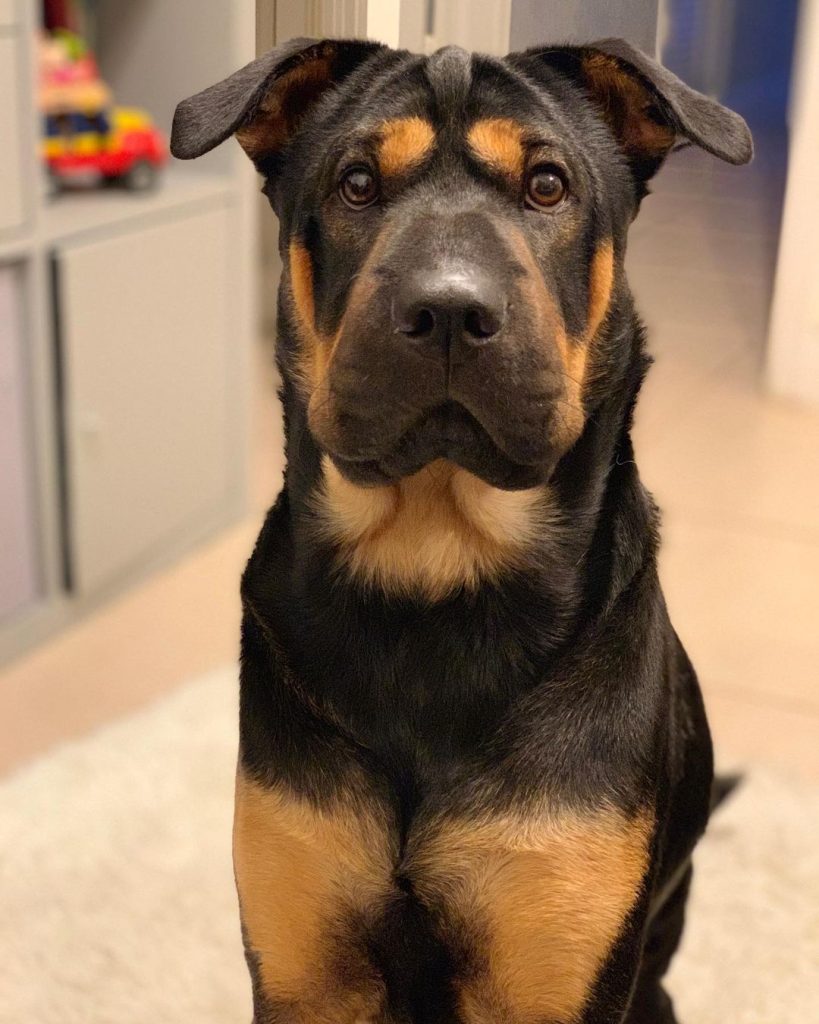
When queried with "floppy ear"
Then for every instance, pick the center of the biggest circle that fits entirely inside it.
(647, 107)
(264, 103)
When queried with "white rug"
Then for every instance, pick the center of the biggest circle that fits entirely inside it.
(117, 902)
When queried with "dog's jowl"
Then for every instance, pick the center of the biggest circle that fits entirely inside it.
(473, 755)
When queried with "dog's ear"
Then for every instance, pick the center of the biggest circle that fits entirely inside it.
(647, 107)
(264, 103)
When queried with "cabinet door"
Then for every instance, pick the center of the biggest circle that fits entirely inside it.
(8, 12)
(144, 342)
(12, 135)
(18, 564)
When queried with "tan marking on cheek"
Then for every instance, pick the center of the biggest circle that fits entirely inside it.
(601, 281)
(321, 411)
(312, 355)
(549, 322)
(431, 533)
(300, 872)
(404, 144)
(545, 899)
(301, 277)
(577, 351)
(551, 330)
(499, 142)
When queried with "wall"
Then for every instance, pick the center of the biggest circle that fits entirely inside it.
(793, 363)
(556, 21)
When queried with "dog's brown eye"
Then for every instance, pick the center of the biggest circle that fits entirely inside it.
(358, 187)
(545, 188)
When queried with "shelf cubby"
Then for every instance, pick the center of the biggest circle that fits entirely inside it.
(116, 292)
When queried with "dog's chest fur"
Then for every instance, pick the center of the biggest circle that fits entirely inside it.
(424, 793)
(474, 758)
(495, 916)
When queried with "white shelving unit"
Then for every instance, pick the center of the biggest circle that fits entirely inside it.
(129, 355)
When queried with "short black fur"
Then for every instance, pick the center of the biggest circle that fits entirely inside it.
(562, 677)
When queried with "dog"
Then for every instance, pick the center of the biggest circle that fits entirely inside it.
(474, 760)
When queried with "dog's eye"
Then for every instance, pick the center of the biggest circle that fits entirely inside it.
(358, 187)
(545, 188)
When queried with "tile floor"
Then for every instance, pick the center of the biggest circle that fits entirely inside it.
(735, 471)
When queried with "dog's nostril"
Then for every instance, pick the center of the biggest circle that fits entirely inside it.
(413, 319)
(481, 323)
(423, 323)
(449, 306)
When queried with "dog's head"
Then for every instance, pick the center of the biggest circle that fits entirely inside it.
(452, 229)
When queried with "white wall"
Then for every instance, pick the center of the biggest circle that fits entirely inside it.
(384, 21)
(582, 21)
(479, 25)
(793, 355)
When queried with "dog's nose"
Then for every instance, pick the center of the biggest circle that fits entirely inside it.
(444, 306)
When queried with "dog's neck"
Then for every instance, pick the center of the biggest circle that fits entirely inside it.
(420, 683)
(432, 533)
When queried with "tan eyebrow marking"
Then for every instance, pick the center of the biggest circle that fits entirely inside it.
(498, 141)
(404, 143)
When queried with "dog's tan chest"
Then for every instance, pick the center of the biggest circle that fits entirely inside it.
(543, 899)
(433, 532)
(304, 875)
(534, 904)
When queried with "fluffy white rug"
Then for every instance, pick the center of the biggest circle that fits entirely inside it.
(117, 903)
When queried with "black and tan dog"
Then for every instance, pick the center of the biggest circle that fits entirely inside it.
(474, 759)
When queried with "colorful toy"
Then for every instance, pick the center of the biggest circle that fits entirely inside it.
(84, 133)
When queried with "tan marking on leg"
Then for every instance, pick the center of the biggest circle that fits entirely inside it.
(299, 872)
(499, 142)
(404, 144)
(546, 901)
(430, 533)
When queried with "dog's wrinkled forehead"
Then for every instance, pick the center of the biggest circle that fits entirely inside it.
(452, 128)
(276, 100)
(449, 73)
(447, 90)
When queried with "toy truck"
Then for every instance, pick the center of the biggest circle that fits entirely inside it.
(84, 133)
(119, 144)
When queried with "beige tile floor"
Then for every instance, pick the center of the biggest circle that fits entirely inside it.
(734, 470)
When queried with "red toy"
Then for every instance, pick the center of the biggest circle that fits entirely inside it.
(84, 133)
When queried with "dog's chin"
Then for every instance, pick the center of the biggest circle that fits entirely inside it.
(448, 432)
